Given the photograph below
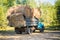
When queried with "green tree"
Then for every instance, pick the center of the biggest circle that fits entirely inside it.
(32, 3)
(57, 6)
(4, 5)
(48, 13)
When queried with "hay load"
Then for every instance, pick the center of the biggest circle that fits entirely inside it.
(37, 13)
(15, 9)
(17, 20)
(16, 15)
(26, 10)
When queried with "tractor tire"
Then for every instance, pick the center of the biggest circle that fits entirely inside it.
(18, 31)
(41, 30)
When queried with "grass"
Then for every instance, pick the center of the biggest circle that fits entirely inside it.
(46, 28)
(6, 28)
(57, 27)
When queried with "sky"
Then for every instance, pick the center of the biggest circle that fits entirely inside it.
(45, 1)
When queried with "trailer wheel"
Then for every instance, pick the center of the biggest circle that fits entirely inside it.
(18, 31)
(41, 30)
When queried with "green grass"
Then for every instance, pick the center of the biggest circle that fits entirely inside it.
(46, 28)
(6, 28)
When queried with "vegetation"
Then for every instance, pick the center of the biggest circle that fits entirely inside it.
(50, 13)
(57, 6)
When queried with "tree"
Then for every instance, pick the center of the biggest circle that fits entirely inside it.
(48, 13)
(57, 6)
(4, 5)
(32, 3)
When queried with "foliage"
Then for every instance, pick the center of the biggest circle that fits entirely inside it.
(57, 6)
(48, 14)
(32, 3)
(3, 8)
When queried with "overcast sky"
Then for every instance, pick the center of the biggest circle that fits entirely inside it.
(45, 1)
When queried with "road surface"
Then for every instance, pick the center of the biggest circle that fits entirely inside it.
(48, 35)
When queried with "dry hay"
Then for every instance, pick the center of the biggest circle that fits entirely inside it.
(17, 20)
(26, 10)
(16, 15)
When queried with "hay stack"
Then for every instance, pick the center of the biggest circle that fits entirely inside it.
(15, 14)
(26, 10)
(17, 20)
(36, 13)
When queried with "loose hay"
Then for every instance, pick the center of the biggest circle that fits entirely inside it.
(16, 15)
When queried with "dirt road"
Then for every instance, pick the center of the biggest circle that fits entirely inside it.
(48, 35)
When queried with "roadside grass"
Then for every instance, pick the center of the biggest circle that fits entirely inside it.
(46, 28)
(6, 28)
(53, 27)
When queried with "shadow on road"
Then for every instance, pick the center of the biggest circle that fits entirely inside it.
(7, 33)
(13, 33)
(52, 39)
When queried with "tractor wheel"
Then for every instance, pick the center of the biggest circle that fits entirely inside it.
(18, 31)
(41, 30)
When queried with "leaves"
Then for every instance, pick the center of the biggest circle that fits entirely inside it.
(48, 13)
(57, 6)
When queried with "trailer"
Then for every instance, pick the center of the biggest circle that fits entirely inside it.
(24, 19)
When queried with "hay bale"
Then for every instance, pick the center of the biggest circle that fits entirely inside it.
(15, 14)
(28, 12)
(15, 9)
(36, 13)
(17, 20)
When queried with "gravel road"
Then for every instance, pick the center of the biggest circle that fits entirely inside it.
(48, 35)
